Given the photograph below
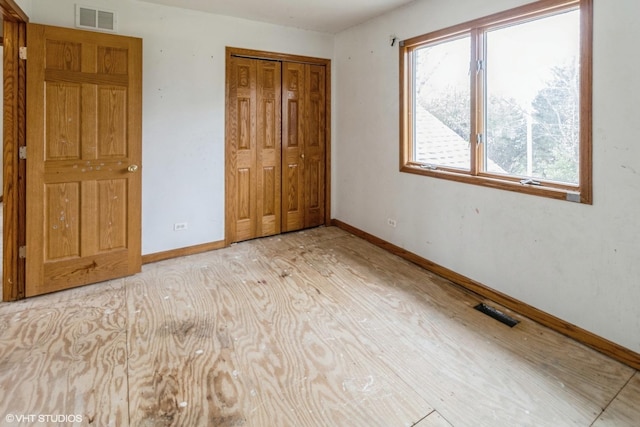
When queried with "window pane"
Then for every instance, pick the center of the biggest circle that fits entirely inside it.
(441, 104)
(532, 110)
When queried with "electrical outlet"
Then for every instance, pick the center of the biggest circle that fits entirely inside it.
(392, 222)
(180, 226)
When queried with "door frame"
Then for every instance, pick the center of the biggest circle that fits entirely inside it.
(14, 136)
(282, 57)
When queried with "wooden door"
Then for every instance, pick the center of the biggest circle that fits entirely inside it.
(304, 145)
(253, 148)
(314, 146)
(84, 99)
(293, 134)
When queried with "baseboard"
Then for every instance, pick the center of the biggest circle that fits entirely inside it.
(611, 349)
(176, 253)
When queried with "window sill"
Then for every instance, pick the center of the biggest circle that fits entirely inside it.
(542, 190)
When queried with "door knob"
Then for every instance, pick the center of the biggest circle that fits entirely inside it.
(132, 168)
(302, 156)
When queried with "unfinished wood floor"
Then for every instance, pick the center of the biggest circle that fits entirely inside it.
(315, 328)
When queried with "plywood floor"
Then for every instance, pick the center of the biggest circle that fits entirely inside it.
(316, 328)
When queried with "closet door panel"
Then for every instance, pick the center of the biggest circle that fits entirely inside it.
(268, 148)
(314, 149)
(275, 147)
(293, 144)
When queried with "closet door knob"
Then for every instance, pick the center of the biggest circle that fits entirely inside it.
(132, 168)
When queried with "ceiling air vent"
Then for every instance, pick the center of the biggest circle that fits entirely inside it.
(94, 19)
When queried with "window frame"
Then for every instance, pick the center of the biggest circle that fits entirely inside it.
(583, 191)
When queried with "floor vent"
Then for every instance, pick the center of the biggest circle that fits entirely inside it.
(94, 19)
(498, 315)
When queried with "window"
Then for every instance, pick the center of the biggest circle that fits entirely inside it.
(503, 101)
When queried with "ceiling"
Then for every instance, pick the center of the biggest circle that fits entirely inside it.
(329, 16)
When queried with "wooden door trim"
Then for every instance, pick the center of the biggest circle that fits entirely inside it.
(282, 57)
(275, 56)
(14, 136)
(11, 11)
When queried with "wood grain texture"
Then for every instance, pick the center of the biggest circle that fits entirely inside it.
(625, 408)
(294, 137)
(112, 123)
(407, 306)
(270, 355)
(241, 150)
(66, 356)
(61, 221)
(64, 121)
(312, 328)
(181, 366)
(268, 148)
(315, 145)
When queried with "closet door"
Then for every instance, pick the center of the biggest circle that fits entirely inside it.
(293, 134)
(254, 149)
(314, 147)
(303, 149)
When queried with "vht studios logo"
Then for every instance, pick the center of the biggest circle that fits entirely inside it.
(43, 418)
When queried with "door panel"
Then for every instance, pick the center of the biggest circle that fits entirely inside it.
(63, 116)
(269, 148)
(293, 83)
(112, 122)
(84, 112)
(112, 219)
(314, 149)
(304, 149)
(63, 234)
(253, 148)
(244, 86)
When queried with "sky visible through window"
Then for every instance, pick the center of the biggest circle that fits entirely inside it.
(520, 58)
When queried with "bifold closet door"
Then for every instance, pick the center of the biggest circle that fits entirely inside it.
(254, 149)
(303, 145)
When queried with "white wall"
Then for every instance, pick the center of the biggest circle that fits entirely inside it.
(25, 5)
(580, 263)
(183, 106)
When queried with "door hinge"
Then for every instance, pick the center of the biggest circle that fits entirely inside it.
(480, 138)
(22, 252)
(480, 65)
(22, 53)
(22, 152)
